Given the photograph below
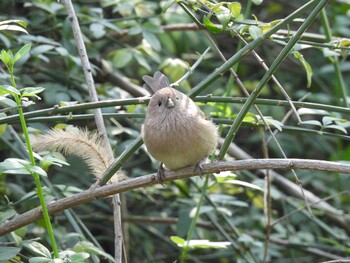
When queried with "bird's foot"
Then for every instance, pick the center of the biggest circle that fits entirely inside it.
(199, 166)
(161, 174)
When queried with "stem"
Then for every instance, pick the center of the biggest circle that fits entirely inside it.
(194, 220)
(267, 199)
(118, 163)
(35, 175)
(339, 80)
(118, 241)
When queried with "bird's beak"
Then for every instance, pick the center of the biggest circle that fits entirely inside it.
(169, 103)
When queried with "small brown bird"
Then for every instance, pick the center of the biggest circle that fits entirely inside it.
(175, 130)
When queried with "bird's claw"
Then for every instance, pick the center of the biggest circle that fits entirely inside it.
(161, 174)
(199, 166)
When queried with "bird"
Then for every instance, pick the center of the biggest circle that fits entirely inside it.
(175, 131)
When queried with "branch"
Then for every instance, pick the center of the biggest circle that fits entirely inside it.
(119, 80)
(98, 119)
(147, 180)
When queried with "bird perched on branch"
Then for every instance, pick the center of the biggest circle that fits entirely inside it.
(175, 132)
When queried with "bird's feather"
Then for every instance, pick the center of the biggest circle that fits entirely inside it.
(155, 83)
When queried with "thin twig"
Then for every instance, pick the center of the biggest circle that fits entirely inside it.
(287, 115)
(192, 68)
(267, 199)
(117, 79)
(286, 216)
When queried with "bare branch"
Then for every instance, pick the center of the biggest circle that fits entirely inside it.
(147, 180)
(117, 79)
(98, 119)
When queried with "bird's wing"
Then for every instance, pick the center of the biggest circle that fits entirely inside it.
(155, 83)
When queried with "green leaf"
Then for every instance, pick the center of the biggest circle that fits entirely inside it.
(336, 127)
(306, 111)
(13, 28)
(152, 27)
(109, 25)
(3, 126)
(142, 61)
(225, 176)
(203, 209)
(312, 122)
(167, 5)
(239, 183)
(49, 160)
(224, 17)
(40, 260)
(210, 26)
(7, 89)
(235, 8)
(38, 249)
(41, 49)
(249, 118)
(255, 32)
(22, 52)
(6, 102)
(178, 240)
(62, 51)
(199, 243)
(79, 257)
(344, 43)
(6, 215)
(306, 65)
(151, 39)
(35, 169)
(14, 166)
(137, 29)
(85, 246)
(272, 122)
(32, 91)
(122, 57)
(7, 253)
(218, 7)
(5, 57)
(246, 239)
(327, 120)
(257, 2)
(330, 53)
(97, 30)
(14, 21)
(17, 238)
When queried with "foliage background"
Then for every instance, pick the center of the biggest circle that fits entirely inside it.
(133, 39)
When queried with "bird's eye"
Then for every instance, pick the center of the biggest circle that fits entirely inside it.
(159, 103)
(177, 98)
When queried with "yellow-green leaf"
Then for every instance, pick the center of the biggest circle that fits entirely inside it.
(235, 9)
(306, 65)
